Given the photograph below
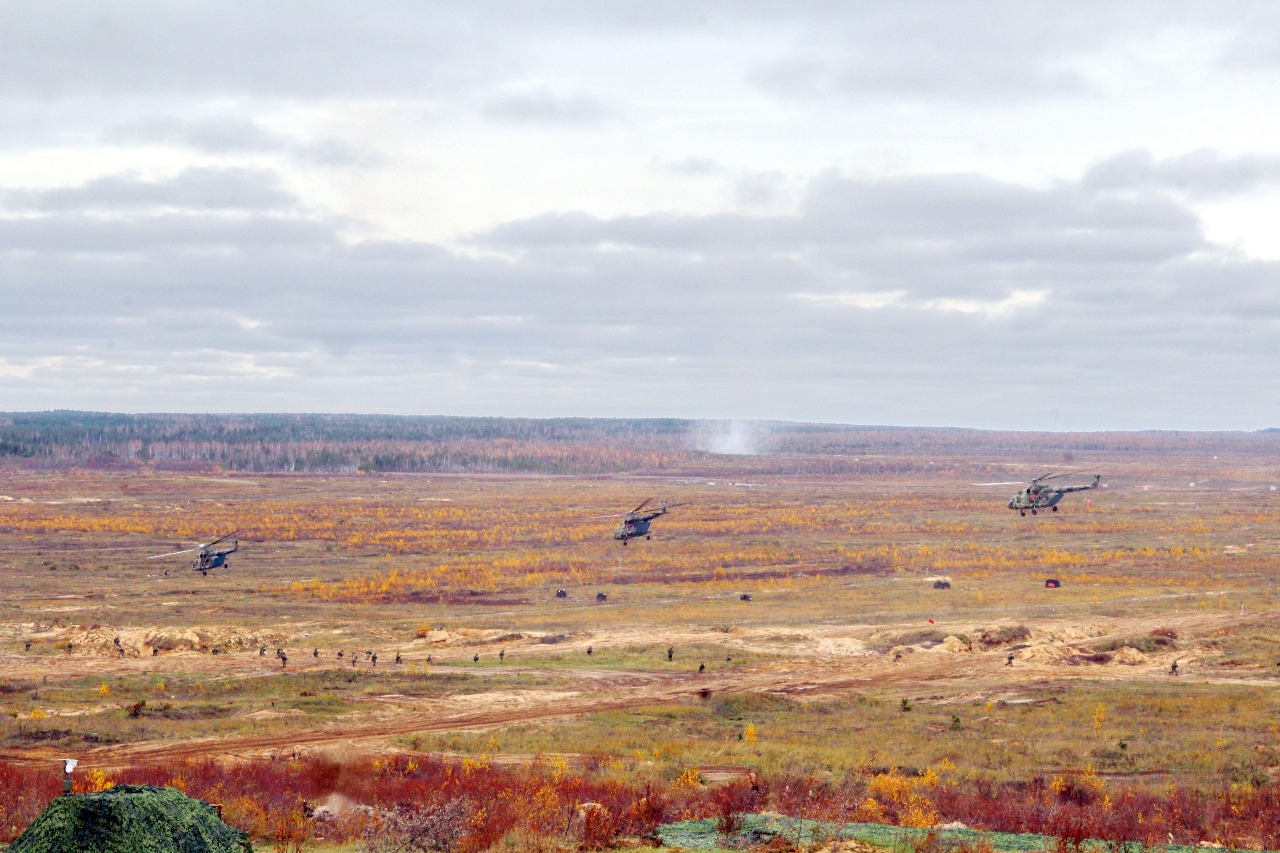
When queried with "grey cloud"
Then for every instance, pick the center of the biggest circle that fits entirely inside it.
(994, 53)
(1204, 174)
(544, 106)
(212, 135)
(1226, 286)
(286, 49)
(207, 189)
(927, 206)
(664, 232)
(1032, 293)
(234, 135)
(332, 152)
(1254, 38)
(321, 48)
(1053, 248)
(692, 167)
(1020, 278)
(68, 233)
(896, 224)
(919, 75)
(759, 189)
(868, 299)
(328, 49)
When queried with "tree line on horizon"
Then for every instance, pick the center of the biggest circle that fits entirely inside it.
(355, 443)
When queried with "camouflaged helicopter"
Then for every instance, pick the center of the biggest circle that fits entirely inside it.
(636, 523)
(209, 557)
(1037, 495)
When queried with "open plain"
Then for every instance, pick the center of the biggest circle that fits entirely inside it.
(1155, 665)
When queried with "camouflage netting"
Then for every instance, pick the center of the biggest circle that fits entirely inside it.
(131, 819)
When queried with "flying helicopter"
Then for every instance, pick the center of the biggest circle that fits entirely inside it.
(1037, 495)
(636, 523)
(209, 556)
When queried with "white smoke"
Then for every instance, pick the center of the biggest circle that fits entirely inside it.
(732, 438)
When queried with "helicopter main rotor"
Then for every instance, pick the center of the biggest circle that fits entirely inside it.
(197, 547)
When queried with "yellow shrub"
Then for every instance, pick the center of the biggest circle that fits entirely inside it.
(919, 813)
(892, 786)
(690, 778)
(870, 811)
(558, 767)
(97, 780)
(475, 765)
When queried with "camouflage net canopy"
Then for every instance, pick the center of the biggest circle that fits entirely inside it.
(131, 819)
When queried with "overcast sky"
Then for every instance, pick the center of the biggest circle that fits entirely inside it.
(1013, 215)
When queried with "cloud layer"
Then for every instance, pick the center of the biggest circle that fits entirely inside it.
(638, 210)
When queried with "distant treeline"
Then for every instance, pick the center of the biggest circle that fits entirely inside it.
(339, 443)
(324, 443)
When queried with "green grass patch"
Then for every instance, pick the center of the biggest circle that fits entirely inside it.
(761, 828)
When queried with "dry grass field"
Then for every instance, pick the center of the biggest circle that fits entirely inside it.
(847, 687)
